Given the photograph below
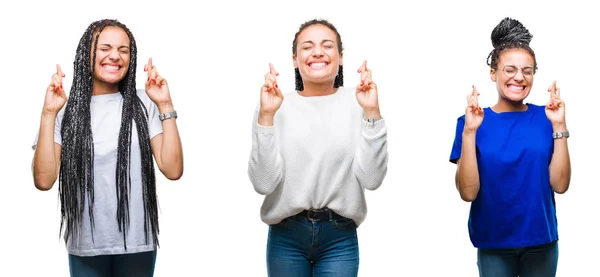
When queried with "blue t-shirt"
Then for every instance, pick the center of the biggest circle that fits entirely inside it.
(515, 205)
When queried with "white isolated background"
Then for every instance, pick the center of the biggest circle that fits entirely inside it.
(425, 55)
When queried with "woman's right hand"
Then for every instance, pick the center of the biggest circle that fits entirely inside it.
(473, 113)
(270, 94)
(55, 95)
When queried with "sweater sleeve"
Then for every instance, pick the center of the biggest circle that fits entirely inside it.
(265, 167)
(370, 161)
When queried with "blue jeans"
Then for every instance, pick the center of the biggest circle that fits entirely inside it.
(532, 261)
(298, 247)
(126, 265)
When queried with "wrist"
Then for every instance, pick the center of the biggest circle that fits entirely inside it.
(372, 113)
(165, 107)
(49, 115)
(469, 133)
(559, 127)
(265, 119)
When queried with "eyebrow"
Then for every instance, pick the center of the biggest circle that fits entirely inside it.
(325, 40)
(517, 66)
(106, 44)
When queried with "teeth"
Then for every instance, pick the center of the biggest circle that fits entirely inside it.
(516, 88)
(318, 65)
(111, 67)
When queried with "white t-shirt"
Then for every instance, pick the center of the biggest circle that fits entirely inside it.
(106, 123)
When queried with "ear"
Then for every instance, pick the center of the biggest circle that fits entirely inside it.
(342, 58)
(294, 59)
(493, 75)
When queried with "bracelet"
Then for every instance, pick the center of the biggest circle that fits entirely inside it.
(560, 135)
(168, 115)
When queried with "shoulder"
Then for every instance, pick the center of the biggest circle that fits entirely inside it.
(349, 92)
(537, 108)
(538, 111)
(538, 115)
(141, 93)
(291, 94)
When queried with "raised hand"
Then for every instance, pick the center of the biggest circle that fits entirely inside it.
(270, 94)
(555, 109)
(366, 91)
(473, 113)
(156, 86)
(55, 94)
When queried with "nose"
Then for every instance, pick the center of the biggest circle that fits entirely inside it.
(317, 51)
(114, 54)
(519, 75)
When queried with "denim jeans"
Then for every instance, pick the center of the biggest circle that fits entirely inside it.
(126, 265)
(298, 247)
(532, 261)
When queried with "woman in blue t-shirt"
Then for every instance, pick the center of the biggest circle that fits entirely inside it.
(510, 165)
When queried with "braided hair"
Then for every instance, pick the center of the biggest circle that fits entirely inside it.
(509, 34)
(76, 180)
(339, 79)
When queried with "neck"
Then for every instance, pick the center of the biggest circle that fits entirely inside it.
(311, 89)
(504, 105)
(101, 88)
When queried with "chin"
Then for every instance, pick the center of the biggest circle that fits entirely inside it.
(515, 98)
(318, 77)
(112, 80)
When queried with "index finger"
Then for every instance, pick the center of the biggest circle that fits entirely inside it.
(59, 71)
(556, 90)
(363, 67)
(272, 70)
(149, 65)
(475, 92)
(553, 90)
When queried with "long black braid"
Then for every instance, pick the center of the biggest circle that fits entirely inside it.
(339, 78)
(76, 179)
(509, 34)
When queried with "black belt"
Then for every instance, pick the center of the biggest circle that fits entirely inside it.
(315, 215)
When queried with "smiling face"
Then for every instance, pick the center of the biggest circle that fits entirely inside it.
(113, 55)
(317, 56)
(514, 74)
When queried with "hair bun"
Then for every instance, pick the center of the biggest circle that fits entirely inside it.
(510, 30)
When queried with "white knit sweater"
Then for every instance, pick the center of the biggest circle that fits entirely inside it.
(320, 152)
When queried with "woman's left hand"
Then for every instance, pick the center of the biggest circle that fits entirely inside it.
(366, 92)
(555, 109)
(156, 86)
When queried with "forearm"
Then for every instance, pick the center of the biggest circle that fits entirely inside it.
(371, 158)
(45, 162)
(171, 151)
(468, 171)
(560, 166)
(265, 166)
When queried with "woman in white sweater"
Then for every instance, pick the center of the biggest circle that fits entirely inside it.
(314, 156)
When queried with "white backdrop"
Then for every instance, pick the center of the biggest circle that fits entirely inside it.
(424, 55)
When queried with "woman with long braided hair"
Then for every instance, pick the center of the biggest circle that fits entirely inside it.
(100, 147)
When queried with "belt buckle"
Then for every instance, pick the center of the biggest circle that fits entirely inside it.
(310, 215)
